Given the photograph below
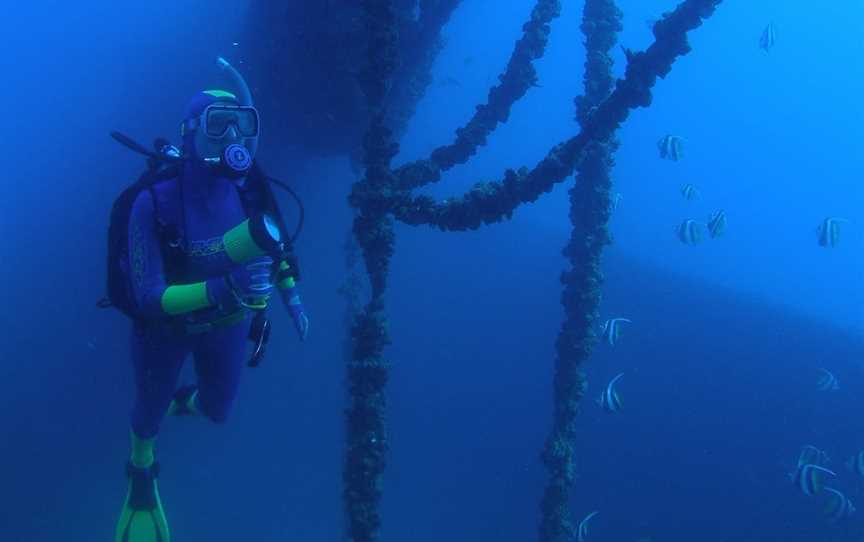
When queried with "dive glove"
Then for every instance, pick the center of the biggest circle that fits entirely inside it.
(248, 286)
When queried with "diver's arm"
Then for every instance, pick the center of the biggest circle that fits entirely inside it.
(145, 259)
(153, 296)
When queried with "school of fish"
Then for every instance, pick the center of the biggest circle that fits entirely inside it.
(811, 473)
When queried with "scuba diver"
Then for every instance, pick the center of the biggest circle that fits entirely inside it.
(196, 249)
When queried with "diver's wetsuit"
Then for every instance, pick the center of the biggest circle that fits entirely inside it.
(203, 208)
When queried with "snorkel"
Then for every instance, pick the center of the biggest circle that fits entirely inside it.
(244, 95)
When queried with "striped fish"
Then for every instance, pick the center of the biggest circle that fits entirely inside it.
(690, 192)
(827, 382)
(582, 531)
(856, 464)
(671, 147)
(614, 201)
(768, 38)
(810, 479)
(611, 330)
(690, 232)
(717, 224)
(829, 231)
(812, 455)
(610, 401)
(838, 506)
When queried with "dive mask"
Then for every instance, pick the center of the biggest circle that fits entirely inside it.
(217, 118)
(221, 132)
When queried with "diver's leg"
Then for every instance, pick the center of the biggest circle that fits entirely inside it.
(157, 358)
(219, 360)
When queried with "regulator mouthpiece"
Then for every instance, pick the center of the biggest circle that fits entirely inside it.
(236, 161)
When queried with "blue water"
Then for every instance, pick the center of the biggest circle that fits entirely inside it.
(721, 361)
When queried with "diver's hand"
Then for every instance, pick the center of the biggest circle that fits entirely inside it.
(248, 286)
(253, 283)
(298, 313)
(221, 294)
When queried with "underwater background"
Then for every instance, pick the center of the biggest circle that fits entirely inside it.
(721, 360)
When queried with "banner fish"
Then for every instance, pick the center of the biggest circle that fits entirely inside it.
(614, 201)
(717, 224)
(611, 330)
(582, 531)
(610, 401)
(812, 455)
(827, 382)
(838, 506)
(810, 479)
(690, 192)
(769, 36)
(671, 147)
(856, 464)
(690, 232)
(829, 231)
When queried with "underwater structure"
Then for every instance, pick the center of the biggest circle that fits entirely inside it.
(377, 87)
(311, 51)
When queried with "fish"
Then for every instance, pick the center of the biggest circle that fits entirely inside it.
(717, 224)
(827, 382)
(810, 478)
(768, 38)
(812, 455)
(610, 401)
(611, 330)
(690, 232)
(856, 464)
(690, 192)
(829, 231)
(614, 201)
(582, 530)
(671, 147)
(838, 507)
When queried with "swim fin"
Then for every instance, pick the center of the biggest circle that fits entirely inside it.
(184, 402)
(142, 518)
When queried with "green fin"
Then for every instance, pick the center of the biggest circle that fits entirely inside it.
(142, 518)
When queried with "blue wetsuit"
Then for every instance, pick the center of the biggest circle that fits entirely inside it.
(203, 208)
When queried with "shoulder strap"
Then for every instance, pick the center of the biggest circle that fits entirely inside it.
(149, 180)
